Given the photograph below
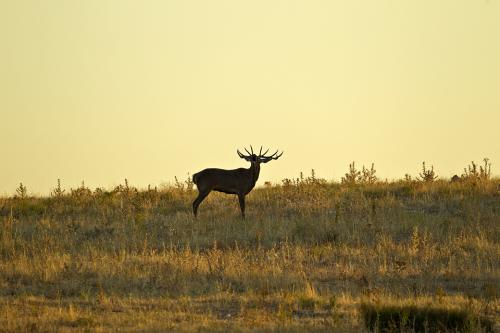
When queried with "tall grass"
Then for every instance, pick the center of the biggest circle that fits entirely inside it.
(309, 254)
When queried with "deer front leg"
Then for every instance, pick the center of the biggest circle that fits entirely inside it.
(241, 198)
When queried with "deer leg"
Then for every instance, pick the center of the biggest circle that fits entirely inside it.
(241, 198)
(197, 202)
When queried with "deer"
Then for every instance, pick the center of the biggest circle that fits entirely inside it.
(238, 181)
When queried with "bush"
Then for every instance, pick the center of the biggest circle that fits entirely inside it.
(427, 175)
(354, 176)
(471, 173)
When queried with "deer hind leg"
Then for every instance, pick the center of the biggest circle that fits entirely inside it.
(241, 199)
(198, 200)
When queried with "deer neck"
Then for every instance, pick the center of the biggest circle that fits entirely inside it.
(254, 171)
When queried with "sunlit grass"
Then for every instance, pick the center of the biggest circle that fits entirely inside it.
(310, 255)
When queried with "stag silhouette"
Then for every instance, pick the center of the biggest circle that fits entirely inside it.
(238, 181)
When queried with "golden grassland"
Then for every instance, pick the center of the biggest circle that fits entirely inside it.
(311, 255)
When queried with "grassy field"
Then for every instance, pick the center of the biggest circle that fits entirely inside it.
(311, 255)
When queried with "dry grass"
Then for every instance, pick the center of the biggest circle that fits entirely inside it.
(308, 257)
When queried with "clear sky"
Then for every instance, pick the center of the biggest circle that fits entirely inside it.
(102, 90)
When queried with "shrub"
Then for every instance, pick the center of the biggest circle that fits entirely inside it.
(354, 176)
(427, 175)
(58, 191)
(22, 191)
(368, 175)
(471, 173)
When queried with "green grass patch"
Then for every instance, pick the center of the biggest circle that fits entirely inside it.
(411, 318)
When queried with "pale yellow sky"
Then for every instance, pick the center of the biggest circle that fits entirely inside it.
(105, 90)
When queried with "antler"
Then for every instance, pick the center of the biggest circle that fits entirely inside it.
(262, 155)
(245, 157)
(262, 158)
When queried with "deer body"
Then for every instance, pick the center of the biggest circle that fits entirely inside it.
(238, 181)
